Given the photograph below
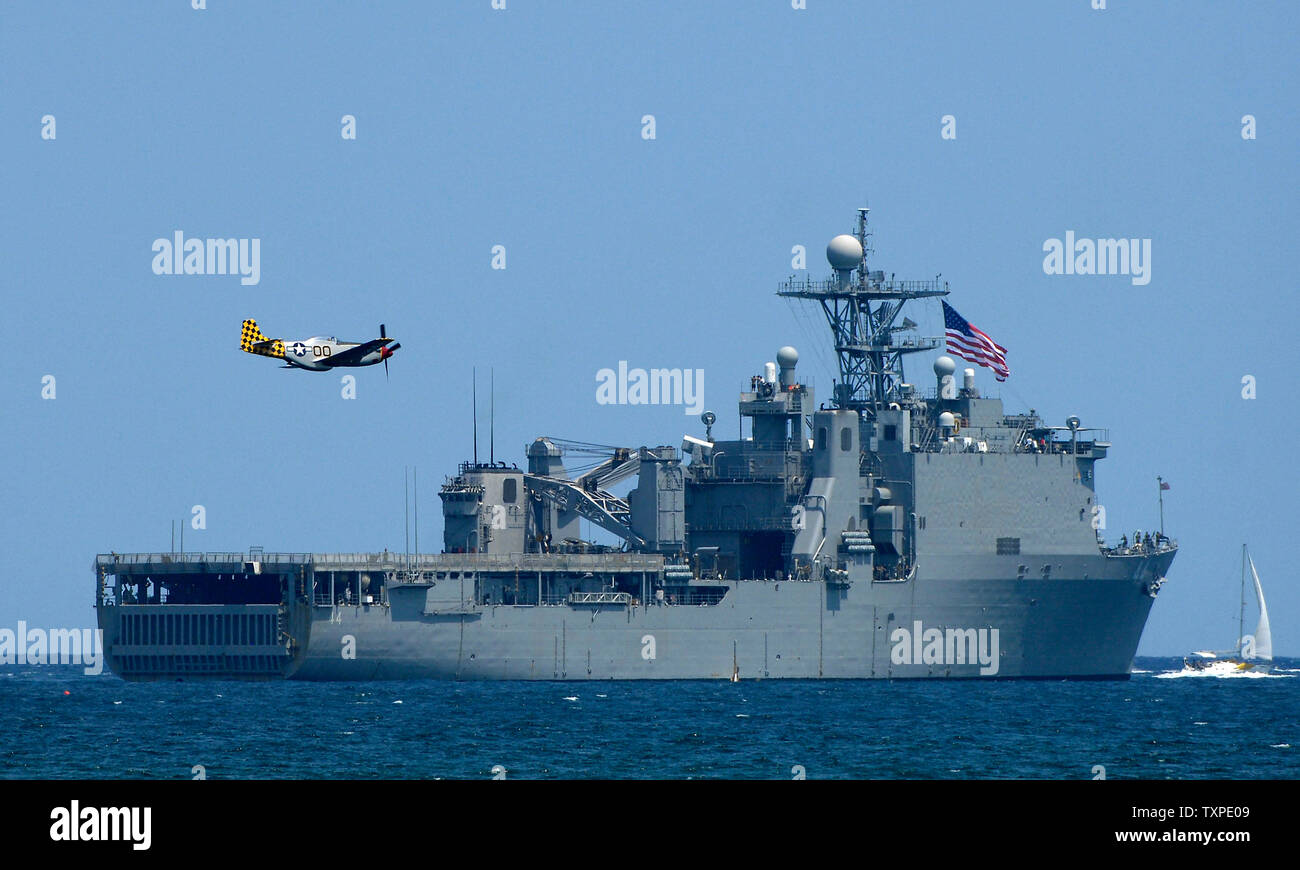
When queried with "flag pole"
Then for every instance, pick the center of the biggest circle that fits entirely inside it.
(1160, 489)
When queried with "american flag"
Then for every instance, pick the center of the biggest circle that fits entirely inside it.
(973, 345)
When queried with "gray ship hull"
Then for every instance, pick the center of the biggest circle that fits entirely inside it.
(959, 628)
(761, 630)
(1084, 623)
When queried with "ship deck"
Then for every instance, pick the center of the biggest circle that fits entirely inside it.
(385, 562)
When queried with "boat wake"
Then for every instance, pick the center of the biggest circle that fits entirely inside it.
(1222, 670)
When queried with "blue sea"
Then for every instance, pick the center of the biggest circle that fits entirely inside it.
(1164, 723)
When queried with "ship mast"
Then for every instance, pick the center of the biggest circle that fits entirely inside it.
(862, 307)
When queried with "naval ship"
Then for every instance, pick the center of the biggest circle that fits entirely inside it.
(898, 531)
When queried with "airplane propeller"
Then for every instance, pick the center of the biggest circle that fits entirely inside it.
(386, 352)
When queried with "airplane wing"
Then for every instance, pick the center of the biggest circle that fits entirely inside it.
(353, 355)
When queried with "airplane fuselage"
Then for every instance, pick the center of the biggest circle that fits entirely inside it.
(318, 354)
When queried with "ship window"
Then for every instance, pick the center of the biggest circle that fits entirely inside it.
(1008, 546)
(509, 490)
(846, 439)
(821, 437)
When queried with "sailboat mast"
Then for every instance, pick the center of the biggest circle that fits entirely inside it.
(1241, 619)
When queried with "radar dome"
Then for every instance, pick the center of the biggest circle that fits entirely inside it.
(947, 420)
(786, 357)
(944, 365)
(844, 253)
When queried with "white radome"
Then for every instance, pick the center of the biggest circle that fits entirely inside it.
(844, 253)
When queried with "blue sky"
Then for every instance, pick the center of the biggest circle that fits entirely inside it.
(522, 128)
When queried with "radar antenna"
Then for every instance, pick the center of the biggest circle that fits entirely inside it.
(858, 307)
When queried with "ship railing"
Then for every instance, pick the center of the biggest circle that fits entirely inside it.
(379, 560)
(763, 465)
(832, 287)
(1166, 545)
(499, 465)
(906, 342)
(694, 597)
(457, 485)
(1066, 447)
(782, 523)
(110, 559)
(548, 562)
(744, 477)
(1057, 439)
(617, 598)
(672, 598)
(398, 562)
(561, 598)
(997, 440)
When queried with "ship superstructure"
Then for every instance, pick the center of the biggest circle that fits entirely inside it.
(898, 531)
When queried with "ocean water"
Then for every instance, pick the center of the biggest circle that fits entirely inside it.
(1164, 723)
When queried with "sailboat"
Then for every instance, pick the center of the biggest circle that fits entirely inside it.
(1254, 652)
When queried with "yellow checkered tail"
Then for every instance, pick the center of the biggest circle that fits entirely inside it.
(251, 340)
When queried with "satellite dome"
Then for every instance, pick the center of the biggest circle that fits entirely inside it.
(844, 253)
(944, 365)
(947, 420)
(786, 357)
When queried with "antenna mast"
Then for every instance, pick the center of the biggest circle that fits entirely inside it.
(492, 416)
(861, 307)
(475, 406)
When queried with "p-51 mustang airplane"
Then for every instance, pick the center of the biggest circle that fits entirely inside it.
(318, 354)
